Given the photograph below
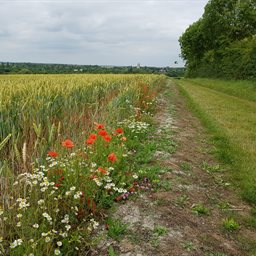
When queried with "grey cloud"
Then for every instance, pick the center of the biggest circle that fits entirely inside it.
(95, 32)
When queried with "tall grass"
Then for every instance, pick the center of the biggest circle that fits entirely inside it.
(232, 122)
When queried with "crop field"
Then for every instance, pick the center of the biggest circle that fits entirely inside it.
(37, 109)
(228, 109)
(65, 143)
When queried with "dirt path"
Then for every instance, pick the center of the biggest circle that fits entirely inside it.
(185, 218)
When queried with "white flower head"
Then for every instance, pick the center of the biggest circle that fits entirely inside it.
(16, 243)
(59, 243)
(57, 252)
(34, 245)
(67, 193)
(40, 202)
(47, 239)
(35, 225)
(68, 227)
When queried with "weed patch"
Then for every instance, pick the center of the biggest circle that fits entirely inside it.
(230, 224)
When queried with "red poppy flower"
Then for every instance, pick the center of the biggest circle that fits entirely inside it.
(103, 133)
(119, 130)
(107, 138)
(61, 179)
(132, 189)
(112, 157)
(99, 126)
(57, 185)
(123, 139)
(93, 136)
(52, 154)
(90, 141)
(68, 144)
(118, 198)
(102, 170)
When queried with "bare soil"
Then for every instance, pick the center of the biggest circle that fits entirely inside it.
(184, 232)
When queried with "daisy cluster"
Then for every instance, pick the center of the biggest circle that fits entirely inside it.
(136, 127)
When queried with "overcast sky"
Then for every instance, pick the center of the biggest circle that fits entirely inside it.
(103, 32)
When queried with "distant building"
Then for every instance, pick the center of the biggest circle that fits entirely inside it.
(162, 71)
(138, 65)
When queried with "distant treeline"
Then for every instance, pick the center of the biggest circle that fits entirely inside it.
(222, 44)
(37, 68)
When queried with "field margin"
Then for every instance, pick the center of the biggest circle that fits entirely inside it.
(224, 150)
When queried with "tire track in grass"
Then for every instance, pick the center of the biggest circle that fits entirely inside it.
(242, 89)
(235, 120)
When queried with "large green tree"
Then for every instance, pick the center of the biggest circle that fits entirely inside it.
(223, 25)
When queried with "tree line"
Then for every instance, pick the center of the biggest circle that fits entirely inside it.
(222, 43)
(41, 68)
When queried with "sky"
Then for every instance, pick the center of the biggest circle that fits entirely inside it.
(96, 32)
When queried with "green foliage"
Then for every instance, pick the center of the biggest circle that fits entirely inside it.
(160, 231)
(230, 224)
(166, 185)
(185, 166)
(116, 229)
(249, 193)
(157, 233)
(224, 206)
(111, 251)
(200, 209)
(222, 42)
(25, 71)
(182, 200)
(210, 168)
(189, 246)
(250, 221)
(253, 211)
(239, 59)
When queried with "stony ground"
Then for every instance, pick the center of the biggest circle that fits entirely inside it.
(186, 217)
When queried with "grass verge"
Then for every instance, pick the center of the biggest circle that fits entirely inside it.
(231, 122)
(242, 89)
